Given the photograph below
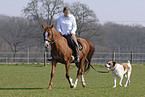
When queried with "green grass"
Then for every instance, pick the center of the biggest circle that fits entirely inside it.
(32, 81)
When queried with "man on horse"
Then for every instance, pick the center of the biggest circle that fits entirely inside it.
(66, 26)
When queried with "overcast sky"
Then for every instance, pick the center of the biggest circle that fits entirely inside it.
(119, 11)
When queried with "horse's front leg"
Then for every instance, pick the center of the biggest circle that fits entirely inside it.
(52, 74)
(67, 75)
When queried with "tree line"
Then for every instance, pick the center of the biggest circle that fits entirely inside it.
(19, 33)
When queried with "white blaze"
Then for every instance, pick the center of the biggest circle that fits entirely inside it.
(46, 42)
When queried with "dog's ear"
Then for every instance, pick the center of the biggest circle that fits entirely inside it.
(114, 63)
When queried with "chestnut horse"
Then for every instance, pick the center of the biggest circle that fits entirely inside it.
(61, 52)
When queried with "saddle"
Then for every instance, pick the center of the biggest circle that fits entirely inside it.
(72, 44)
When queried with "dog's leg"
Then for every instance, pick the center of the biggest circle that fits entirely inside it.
(129, 82)
(126, 75)
(120, 83)
(114, 80)
(128, 78)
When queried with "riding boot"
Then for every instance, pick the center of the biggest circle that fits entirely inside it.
(77, 59)
(49, 58)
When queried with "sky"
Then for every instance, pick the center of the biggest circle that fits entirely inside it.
(130, 12)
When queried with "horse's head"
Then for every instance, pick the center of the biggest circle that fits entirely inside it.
(48, 35)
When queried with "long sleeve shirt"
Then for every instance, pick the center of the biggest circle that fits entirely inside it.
(66, 24)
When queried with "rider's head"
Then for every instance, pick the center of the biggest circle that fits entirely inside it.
(66, 11)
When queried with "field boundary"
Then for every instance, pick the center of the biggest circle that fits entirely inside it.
(98, 57)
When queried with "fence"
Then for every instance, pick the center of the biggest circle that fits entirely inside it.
(26, 57)
(102, 57)
(98, 57)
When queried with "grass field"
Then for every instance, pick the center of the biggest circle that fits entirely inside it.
(32, 81)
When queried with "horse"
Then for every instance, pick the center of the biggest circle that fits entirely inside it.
(61, 52)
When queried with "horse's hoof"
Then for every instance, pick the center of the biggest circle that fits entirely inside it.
(84, 86)
(72, 86)
(50, 87)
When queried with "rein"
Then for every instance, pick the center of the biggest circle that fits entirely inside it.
(88, 61)
(92, 65)
(51, 42)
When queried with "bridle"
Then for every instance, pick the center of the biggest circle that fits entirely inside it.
(52, 40)
(52, 37)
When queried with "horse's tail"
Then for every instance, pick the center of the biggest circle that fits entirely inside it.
(89, 56)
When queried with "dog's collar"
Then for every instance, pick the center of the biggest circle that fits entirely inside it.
(113, 68)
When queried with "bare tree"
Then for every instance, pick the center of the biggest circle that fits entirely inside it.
(13, 31)
(85, 18)
(43, 11)
(125, 37)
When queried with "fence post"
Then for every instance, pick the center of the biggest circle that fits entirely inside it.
(45, 58)
(113, 56)
(131, 57)
(28, 56)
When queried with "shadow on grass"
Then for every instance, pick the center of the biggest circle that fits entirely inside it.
(103, 71)
(21, 88)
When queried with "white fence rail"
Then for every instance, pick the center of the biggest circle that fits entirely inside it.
(98, 57)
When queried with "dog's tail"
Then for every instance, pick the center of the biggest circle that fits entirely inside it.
(128, 61)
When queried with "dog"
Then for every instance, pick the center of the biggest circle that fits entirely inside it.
(120, 70)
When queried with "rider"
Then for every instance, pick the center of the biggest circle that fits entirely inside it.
(66, 25)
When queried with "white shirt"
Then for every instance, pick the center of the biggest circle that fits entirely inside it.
(66, 24)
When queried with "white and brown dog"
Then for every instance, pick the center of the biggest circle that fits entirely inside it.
(120, 70)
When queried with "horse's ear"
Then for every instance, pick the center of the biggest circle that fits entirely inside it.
(42, 26)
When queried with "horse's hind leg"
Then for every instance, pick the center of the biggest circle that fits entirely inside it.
(83, 81)
(67, 75)
(52, 74)
(80, 65)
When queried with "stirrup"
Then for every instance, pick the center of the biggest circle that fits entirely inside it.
(49, 58)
